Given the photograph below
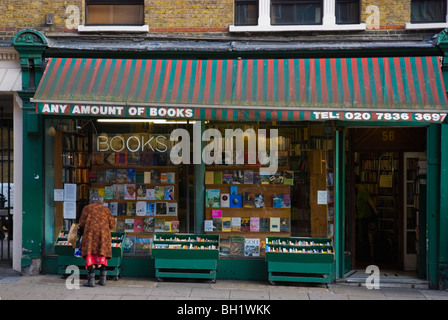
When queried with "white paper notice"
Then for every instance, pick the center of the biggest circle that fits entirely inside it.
(70, 192)
(69, 210)
(321, 196)
(58, 194)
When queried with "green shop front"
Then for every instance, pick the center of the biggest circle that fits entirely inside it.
(249, 164)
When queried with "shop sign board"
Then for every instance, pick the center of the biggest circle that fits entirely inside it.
(232, 113)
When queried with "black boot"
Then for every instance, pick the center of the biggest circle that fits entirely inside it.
(103, 278)
(90, 279)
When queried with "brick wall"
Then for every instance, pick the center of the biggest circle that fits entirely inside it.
(165, 16)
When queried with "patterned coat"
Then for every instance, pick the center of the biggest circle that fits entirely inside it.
(97, 221)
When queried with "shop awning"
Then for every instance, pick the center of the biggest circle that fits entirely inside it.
(394, 88)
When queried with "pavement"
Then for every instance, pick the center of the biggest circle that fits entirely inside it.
(53, 287)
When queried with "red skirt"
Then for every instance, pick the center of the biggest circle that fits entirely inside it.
(96, 259)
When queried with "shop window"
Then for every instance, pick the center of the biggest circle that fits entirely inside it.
(297, 12)
(347, 12)
(114, 12)
(428, 11)
(246, 12)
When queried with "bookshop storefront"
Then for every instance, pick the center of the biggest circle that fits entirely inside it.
(262, 153)
(246, 167)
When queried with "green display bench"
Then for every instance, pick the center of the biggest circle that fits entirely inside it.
(66, 256)
(300, 259)
(191, 256)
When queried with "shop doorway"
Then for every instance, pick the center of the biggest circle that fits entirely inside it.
(6, 179)
(385, 173)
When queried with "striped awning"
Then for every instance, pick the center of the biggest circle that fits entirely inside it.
(258, 89)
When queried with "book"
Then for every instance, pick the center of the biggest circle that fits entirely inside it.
(140, 209)
(133, 158)
(248, 200)
(92, 176)
(108, 192)
(138, 225)
(130, 208)
(216, 213)
(224, 247)
(217, 177)
(171, 208)
(122, 208)
(277, 200)
(121, 158)
(146, 159)
(236, 224)
(118, 191)
(217, 224)
(141, 191)
(227, 177)
(225, 200)
(159, 192)
(245, 224)
(129, 245)
(148, 225)
(150, 208)
(101, 176)
(169, 193)
(274, 225)
(142, 245)
(236, 200)
(208, 225)
(129, 225)
(259, 200)
(150, 194)
(175, 227)
(147, 177)
(237, 246)
(110, 176)
(120, 225)
(286, 200)
(159, 225)
(248, 177)
(171, 177)
(226, 224)
(264, 224)
(254, 224)
(284, 224)
(129, 191)
(110, 159)
(252, 247)
(238, 176)
(167, 227)
(161, 208)
(209, 177)
(113, 206)
(131, 175)
(212, 198)
(288, 177)
(163, 178)
(121, 176)
(155, 176)
(264, 178)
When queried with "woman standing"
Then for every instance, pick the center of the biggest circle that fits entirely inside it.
(96, 223)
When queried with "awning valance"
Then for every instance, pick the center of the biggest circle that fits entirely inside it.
(259, 89)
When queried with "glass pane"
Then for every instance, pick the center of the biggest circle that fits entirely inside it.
(428, 11)
(115, 14)
(347, 12)
(296, 12)
(246, 13)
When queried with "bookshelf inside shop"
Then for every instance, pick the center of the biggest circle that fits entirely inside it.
(245, 206)
(379, 174)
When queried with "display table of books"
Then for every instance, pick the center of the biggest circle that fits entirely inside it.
(300, 259)
(66, 257)
(185, 255)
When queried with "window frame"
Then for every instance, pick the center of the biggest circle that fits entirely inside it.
(328, 21)
(428, 25)
(94, 27)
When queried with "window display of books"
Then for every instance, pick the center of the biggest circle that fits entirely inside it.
(143, 199)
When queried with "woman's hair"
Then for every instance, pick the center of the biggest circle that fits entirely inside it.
(96, 198)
